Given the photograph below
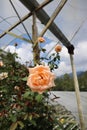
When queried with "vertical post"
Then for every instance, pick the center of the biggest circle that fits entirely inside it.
(77, 93)
(36, 50)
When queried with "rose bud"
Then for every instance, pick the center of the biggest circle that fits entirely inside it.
(58, 48)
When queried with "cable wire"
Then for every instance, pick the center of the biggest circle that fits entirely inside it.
(5, 19)
(21, 21)
(78, 28)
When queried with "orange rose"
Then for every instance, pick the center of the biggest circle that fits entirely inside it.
(40, 78)
(58, 48)
(1, 64)
(41, 39)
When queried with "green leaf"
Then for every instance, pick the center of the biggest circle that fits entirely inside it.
(26, 94)
(30, 117)
(13, 126)
(44, 50)
(39, 97)
(54, 59)
(21, 124)
(13, 118)
(24, 79)
(33, 123)
(26, 116)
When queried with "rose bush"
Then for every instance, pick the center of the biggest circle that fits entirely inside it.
(21, 108)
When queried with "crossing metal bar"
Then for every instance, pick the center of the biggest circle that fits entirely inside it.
(26, 16)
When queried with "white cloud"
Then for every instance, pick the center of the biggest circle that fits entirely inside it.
(64, 53)
(24, 52)
(80, 58)
(65, 65)
(62, 69)
(50, 47)
(10, 48)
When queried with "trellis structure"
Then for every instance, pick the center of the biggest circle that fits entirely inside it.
(36, 10)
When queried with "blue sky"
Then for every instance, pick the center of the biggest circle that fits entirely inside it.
(72, 18)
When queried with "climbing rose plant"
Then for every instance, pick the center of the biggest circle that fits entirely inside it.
(24, 98)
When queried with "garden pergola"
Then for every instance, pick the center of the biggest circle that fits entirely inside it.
(37, 11)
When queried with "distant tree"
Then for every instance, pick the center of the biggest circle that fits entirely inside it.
(83, 81)
(66, 83)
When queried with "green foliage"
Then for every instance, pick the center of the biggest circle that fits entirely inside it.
(20, 108)
(53, 60)
(83, 81)
(66, 83)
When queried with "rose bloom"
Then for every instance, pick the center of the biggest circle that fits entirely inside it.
(1, 64)
(41, 39)
(40, 79)
(3, 75)
(58, 48)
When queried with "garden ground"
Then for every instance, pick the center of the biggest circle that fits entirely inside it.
(68, 99)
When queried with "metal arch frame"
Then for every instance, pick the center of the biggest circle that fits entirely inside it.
(65, 41)
(53, 27)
